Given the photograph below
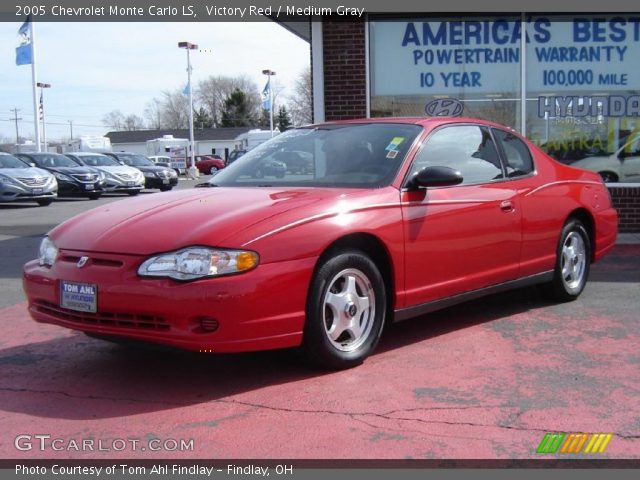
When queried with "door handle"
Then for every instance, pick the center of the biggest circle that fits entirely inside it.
(506, 206)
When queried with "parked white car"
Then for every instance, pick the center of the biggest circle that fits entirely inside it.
(118, 177)
(621, 166)
(19, 181)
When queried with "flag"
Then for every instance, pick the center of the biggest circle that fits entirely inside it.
(187, 89)
(24, 50)
(41, 107)
(266, 96)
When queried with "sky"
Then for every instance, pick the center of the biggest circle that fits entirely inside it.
(95, 68)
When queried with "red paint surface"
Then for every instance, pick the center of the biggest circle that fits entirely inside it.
(483, 380)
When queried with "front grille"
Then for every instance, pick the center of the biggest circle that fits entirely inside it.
(86, 177)
(105, 262)
(34, 181)
(134, 321)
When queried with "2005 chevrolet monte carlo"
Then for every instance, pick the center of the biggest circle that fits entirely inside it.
(393, 219)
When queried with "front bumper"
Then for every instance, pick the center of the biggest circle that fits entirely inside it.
(258, 310)
(10, 192)
(157, 182)
(66, 188)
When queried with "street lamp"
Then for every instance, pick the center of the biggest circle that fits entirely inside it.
(270, 73)
(193, 171)
(44, 130)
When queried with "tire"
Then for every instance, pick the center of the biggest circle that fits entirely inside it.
(573, 261)
(213, 170)
(133, 193)
(95, 196)
(608, 177)
(166, 188)
(346, 289)
(45, 202)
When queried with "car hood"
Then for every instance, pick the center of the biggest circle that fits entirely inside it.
(150, 168)
(212, 216)
(72, 170)
(118, 169)
(27, 172)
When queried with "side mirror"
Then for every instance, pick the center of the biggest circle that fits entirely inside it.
(435, 177)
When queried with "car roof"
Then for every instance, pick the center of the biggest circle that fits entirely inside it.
(85, 154)
(424, 121)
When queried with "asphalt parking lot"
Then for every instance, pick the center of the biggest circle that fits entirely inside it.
(486, 379)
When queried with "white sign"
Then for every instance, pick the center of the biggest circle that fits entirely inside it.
(481, 56)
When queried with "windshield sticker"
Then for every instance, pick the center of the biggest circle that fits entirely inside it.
(395, 141)
(392, 153)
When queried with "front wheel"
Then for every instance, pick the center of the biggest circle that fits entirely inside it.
(573, 259)
(345, 311)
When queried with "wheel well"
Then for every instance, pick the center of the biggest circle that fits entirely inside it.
(587, 220)
(371, 246)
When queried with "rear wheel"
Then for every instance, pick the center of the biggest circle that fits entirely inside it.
(44, 202)
(345, 311)
(572, 263)
(213, 170)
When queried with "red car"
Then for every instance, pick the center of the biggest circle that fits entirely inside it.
(400, 217)
(209, 164)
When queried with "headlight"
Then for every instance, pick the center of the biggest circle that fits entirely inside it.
(48, 252)
(198, 262)
(4, 179)
(172, 173)
(62, 176)
(101, 176)
(149, 174)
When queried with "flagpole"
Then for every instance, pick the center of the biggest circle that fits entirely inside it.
(36, 117)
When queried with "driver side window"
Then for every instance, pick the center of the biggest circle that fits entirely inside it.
(467, 148)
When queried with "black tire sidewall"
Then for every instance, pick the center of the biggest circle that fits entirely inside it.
(316, 346)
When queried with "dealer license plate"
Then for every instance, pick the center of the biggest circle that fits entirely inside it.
(82, 297)
(165, 181)
(37, 191)
(88, 186)
(131, 184)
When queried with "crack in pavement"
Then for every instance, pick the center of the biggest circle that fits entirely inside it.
(388, 415)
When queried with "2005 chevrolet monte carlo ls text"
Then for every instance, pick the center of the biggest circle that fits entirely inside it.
(393, 219)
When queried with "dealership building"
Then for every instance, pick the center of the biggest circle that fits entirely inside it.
(568, 82)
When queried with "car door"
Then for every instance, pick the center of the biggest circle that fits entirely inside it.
(464, 237)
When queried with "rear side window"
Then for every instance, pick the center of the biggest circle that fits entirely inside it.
(517, 155)
(466, 148)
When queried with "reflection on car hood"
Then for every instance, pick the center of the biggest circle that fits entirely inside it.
(26, 172)
(118, 169)
(158, 223)
(72, 170)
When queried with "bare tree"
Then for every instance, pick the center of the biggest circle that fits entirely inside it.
(300, 103)
(153, 113)
(174, 109)
(133, 122)
(213, 91)
(114, 120)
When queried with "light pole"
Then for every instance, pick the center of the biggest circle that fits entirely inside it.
(270, 73)
(44, 128)
(192, 171)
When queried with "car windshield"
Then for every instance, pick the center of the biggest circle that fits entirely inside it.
(53, 160)
(362, 155)
(98, 161)
(135, 160)
(9, 161)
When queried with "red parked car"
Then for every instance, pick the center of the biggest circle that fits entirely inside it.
(209, 164)
(399, 217)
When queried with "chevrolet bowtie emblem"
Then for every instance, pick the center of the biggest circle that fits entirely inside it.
(82, 262)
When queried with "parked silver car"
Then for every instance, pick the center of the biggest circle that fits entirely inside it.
(21, 182)
(118, 178)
